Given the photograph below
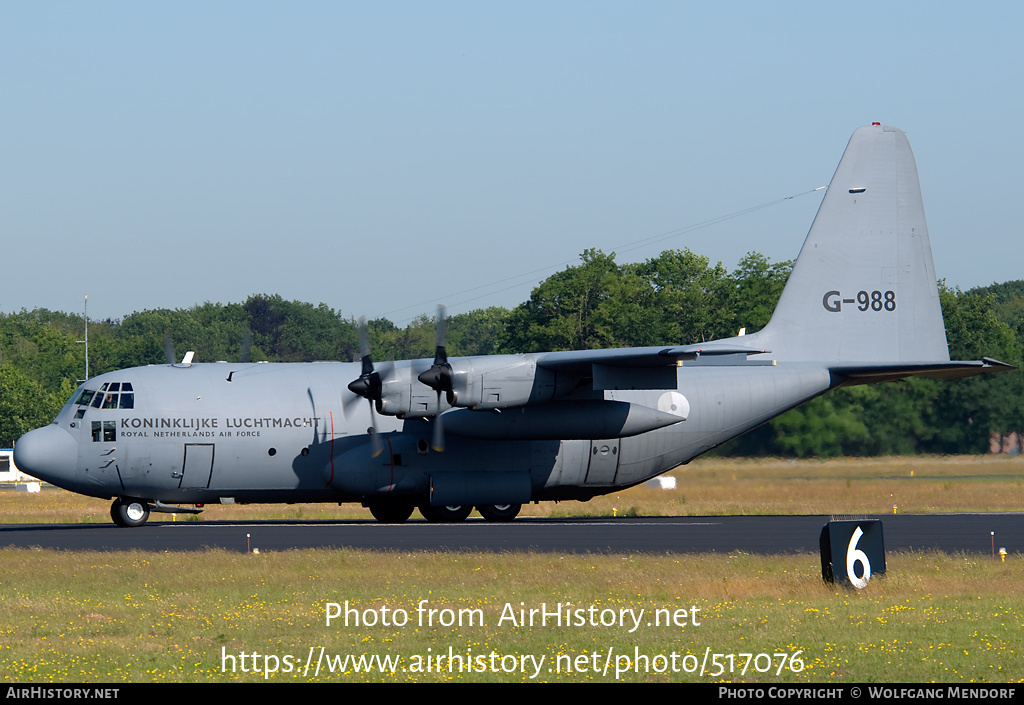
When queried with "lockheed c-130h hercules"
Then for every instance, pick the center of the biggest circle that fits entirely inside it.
(494, 432)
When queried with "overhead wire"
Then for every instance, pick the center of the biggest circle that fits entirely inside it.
(522, 278)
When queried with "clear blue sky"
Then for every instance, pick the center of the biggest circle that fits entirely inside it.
(385, 157)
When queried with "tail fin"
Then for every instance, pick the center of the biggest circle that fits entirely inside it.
(863, 288)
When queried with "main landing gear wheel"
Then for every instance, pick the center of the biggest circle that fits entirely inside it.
(129, 512)
(499, 512)
(391, 512)
(448, 514)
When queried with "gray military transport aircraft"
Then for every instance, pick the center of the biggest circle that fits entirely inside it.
(494, 432)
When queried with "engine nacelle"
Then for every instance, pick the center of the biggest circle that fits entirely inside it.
(500, 382)
(496, 382)
(404, 396)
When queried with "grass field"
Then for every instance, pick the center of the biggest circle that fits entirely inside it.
(164, 617)
(201, 617)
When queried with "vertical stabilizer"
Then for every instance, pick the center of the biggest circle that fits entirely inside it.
(863, 288)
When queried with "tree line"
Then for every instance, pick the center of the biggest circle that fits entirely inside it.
(677, 297)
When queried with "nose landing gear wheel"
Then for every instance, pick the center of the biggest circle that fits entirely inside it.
(449, 514)
(499, 512)
(128, 512)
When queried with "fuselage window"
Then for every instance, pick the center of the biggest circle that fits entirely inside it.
(105, 431)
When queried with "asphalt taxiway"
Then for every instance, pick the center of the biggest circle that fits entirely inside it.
(971, 533)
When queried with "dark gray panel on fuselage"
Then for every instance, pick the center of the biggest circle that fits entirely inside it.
(197, 466)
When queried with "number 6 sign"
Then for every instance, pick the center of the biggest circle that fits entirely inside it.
(851, 551)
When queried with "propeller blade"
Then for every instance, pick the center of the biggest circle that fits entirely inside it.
(439, 377)
(246, 355)
(375, 442)
(348, 400)
(441, 351)
(364, 347)
(437, 443)
(368, 385)
(169, 349)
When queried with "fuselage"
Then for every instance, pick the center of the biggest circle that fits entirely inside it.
(266, 432)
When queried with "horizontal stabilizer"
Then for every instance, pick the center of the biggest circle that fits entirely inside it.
(890, 372)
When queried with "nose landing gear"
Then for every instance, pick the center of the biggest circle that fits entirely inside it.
(127, 512)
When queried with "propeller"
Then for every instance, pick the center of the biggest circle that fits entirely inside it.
(439, 377)
(246, 352)
(367, 385)
(169, 348)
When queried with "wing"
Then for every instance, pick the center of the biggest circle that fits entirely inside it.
(641, 368)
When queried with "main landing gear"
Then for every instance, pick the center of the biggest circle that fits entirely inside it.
(398, 512)
(391, 512)
(445, 515)
(127, 512)
(499, 512)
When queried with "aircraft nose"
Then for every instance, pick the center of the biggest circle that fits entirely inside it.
(48, 453)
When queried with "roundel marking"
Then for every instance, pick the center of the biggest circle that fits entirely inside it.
(674, 403)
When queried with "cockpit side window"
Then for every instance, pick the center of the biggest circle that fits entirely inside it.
(85, 397)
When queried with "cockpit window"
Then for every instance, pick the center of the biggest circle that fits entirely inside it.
(85, 397)
(112, 395)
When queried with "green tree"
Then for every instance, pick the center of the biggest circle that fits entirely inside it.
(477, 332)
(292, 331)
(692, 297)
(968, 411)
(560, 314)
(26, 404)
(757, 285)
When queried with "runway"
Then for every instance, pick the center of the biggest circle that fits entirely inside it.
(971, 533)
